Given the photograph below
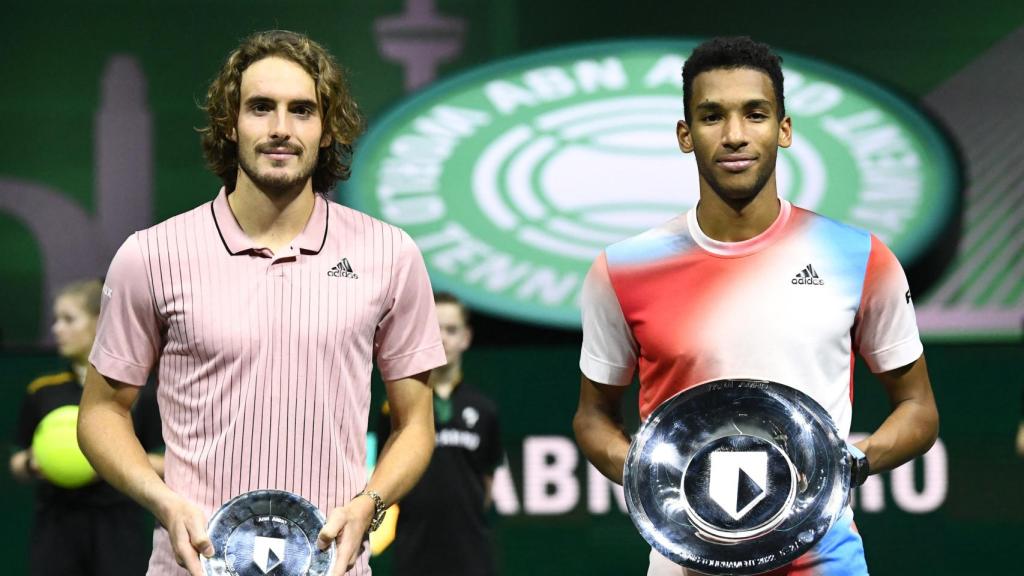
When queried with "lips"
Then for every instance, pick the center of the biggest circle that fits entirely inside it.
(736, 162)
(279, 155)
(278, 152)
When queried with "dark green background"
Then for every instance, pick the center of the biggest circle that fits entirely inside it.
(51, 56)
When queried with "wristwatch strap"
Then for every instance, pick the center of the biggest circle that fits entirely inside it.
(859, 467)
(378, 508)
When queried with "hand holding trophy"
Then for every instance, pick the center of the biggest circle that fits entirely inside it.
(267, 531)
(738, 476)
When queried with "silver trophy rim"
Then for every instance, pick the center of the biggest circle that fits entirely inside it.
(216, 565)
(799, 529)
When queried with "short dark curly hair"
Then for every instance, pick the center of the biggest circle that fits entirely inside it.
(341, 117)
(730, 53)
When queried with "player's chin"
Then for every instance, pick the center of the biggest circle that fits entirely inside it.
(738, 191)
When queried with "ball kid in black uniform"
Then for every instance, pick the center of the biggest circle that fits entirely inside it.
(91, 530)
(441, 528)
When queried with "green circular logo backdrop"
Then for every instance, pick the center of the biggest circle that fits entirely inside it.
(513, 176)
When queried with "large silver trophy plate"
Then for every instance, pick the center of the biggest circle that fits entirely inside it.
(737, 476)
(267, 532)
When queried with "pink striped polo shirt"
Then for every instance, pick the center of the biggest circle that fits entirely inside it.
(264, 359)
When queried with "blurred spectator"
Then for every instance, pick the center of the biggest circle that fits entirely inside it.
(92, 529)
(441, 525)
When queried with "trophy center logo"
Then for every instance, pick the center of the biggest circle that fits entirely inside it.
(268, 553)
(738, 481)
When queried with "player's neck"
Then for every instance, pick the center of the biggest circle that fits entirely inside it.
(446, 378)
(730, 221)
(271, 219)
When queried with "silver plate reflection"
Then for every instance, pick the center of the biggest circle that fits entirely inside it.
(267, 532)
(736, 476)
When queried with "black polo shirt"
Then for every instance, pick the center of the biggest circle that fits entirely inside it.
(46, 394)
(442, 528)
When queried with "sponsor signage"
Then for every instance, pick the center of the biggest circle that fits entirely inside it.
(513, 176)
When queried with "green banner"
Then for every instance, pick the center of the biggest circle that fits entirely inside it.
(512, 177)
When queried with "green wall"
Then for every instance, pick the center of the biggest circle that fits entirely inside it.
(53, 53)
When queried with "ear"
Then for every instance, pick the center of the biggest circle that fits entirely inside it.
(785, 132)
(469, 337)
(326, 140)
(684, 136)
(233, 135)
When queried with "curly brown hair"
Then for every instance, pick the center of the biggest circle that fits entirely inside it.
(341, 117)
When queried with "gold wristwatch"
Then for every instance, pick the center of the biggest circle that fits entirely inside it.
(378, 508)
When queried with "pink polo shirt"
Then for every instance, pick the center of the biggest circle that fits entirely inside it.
(264, 359)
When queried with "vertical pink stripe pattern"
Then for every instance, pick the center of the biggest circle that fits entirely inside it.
(265, 362)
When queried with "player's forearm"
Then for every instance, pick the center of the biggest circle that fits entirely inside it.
(107, 438)
(109, 442)
(156, 461)
(403, 459)
(909, 431)
(603, 442)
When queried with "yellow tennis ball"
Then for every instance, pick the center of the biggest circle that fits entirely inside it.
(56, 452)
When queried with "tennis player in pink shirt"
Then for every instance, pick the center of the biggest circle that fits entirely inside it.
(262, 312)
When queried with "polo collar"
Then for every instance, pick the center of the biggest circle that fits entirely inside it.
(310, 241)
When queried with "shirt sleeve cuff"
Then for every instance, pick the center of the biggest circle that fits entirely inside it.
(412, 363)
(605, 373)
(894, 357)
(114, 368)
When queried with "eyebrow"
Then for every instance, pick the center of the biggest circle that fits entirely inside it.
(259, 99)
(755, 103)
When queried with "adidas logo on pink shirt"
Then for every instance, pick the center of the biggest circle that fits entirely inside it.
(343, 270)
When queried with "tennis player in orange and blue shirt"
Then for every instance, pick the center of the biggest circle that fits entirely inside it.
(746, 285)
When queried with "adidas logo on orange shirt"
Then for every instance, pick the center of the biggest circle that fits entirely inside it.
(808, 276)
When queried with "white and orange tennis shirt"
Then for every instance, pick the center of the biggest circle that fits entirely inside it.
(264, 359)
(790, 305)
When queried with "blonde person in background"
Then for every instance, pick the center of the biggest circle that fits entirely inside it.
(91, 529)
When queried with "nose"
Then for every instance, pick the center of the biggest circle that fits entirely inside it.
(733, 135)
(280, 125)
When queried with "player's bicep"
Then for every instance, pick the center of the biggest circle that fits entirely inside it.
(908, 383)
(600, 400)
(104, 393)
(410, 400)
